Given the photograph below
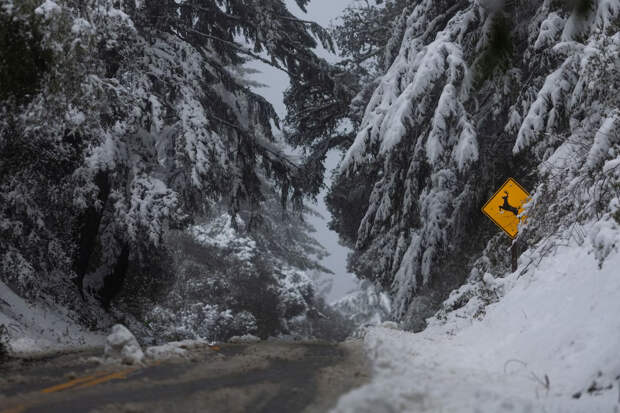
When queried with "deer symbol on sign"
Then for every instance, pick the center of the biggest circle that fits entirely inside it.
(507, 207)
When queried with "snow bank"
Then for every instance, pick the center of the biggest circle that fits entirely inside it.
(121, 346)
(245, 339)
(39, 327)
(551, 343)
(174, 349)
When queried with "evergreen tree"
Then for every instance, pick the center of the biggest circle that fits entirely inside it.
(128, 119)
(477, 92)
(325, 108)
(365, 35)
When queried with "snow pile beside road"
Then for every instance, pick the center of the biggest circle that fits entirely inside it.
(35, 328)
(244, 339)
(174, 349)
(551, 343)
(121, 346)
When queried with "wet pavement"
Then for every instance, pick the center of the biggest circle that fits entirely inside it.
(262, 377)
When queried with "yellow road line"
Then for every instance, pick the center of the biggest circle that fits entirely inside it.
(79, 383)
(16, 409)
(120, 375)
(74, 382)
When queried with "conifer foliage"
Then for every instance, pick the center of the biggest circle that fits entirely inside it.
(476, 92)
(121, 120)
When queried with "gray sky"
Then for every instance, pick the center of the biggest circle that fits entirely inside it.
(322, 12)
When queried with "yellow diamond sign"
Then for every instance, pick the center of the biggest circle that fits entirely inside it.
(505, 205)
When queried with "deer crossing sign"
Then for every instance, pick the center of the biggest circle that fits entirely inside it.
(505, 205)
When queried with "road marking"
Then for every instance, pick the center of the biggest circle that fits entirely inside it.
(16, 409)
(89, 381)
(120, 375)
(79, 383)
(74, 382)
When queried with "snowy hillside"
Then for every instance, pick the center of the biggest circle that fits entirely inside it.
(28, 328)
(479, 91)
(548, 344)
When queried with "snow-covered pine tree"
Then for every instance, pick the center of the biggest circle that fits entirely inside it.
(324, 110)
(479, 91)
(120, 120)
(363, 33)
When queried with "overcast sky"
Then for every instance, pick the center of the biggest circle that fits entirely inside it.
(322, 12)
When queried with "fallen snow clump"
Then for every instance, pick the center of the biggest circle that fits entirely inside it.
(121, 346)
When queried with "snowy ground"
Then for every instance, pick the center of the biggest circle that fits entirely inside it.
(40, 328)
(551, 344)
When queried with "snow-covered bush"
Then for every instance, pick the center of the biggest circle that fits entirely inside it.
(232, 280)
(215, 294)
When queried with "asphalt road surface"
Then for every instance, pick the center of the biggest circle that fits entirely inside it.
(263, 377)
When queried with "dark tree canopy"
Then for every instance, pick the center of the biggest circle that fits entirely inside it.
(123, 121)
